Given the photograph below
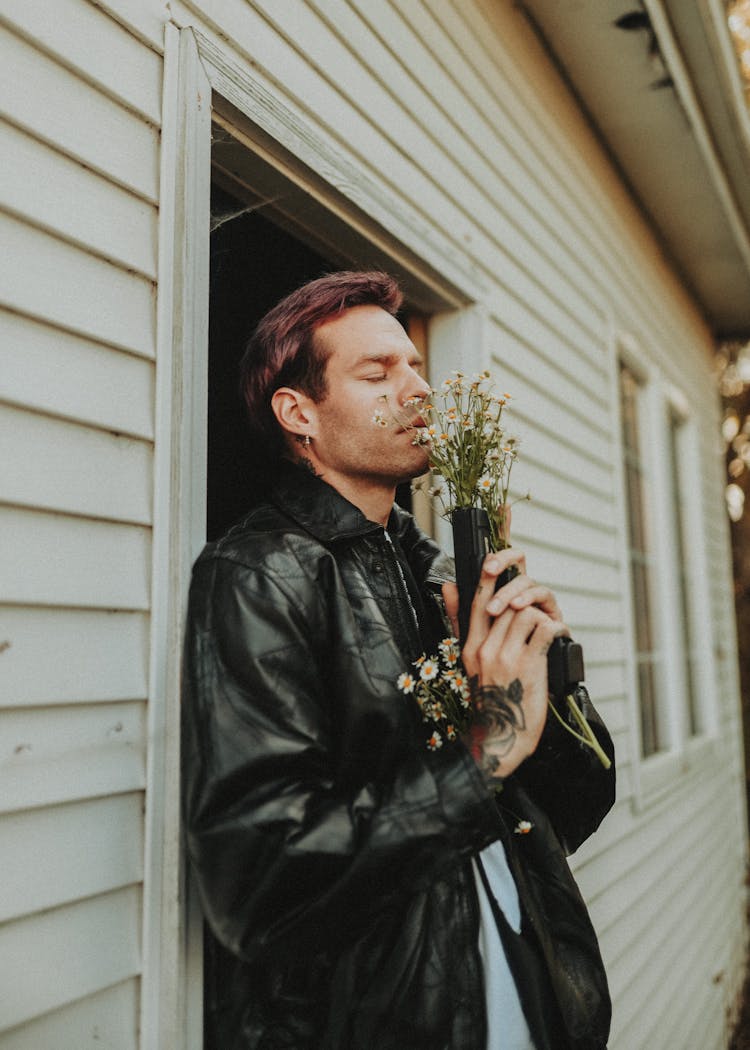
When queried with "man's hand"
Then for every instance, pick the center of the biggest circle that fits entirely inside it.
(505, 655)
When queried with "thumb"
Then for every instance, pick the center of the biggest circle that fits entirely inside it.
(504, 518)
(450, 597)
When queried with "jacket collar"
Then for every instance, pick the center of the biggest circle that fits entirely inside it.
(319, 509)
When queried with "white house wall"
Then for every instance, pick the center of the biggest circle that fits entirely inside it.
(455, 114)
(79, 135)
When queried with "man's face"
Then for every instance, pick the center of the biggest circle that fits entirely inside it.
(373, 372)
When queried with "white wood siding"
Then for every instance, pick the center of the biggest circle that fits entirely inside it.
(458, 138)
(79, 131)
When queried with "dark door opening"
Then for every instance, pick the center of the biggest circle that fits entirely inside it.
(254, 263)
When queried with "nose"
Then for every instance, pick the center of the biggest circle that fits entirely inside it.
(417, 386)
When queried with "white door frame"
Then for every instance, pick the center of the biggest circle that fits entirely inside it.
(171, 1012)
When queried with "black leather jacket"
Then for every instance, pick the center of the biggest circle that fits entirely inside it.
(331, 848)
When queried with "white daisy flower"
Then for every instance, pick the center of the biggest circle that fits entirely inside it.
(429, 670)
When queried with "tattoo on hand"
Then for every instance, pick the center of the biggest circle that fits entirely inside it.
(499, 713)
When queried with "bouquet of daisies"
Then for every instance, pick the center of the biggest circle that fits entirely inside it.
(471, 456)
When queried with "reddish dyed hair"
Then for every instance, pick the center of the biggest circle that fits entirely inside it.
(283, 351)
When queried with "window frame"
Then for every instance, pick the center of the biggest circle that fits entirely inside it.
(660, 772)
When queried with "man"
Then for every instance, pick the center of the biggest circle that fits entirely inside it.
(362, 891)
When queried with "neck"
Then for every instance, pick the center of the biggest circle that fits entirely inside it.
(375, 502)
(374, 498)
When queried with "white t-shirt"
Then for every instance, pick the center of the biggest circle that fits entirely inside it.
(506, 1024)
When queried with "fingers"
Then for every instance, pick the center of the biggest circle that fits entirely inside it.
(518, 641)
(522, 592)
(544, 635)
(450, 597)
(504, 516)
(495, 564)
(508, 638)
(481, 621)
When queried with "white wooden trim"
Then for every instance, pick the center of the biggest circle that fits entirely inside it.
(618, 343)
(700, 595)
(665, 587)
(714, 17)
(670, 49)
(699, 592)
(169, 1016)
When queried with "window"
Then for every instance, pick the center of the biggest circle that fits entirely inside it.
(671, 670)
(641, 560)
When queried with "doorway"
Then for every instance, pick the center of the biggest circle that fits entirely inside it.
(254, 263)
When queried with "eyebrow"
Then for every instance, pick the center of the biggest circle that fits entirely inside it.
(384, 359)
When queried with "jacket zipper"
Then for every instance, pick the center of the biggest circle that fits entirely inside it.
(413, 627)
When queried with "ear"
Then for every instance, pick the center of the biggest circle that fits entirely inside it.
(293, 411)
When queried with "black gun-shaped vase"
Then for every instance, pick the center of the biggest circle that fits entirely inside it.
(471, 544)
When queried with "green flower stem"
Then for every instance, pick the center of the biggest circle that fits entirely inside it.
(586, 736)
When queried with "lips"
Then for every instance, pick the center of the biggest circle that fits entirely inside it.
(414, 424)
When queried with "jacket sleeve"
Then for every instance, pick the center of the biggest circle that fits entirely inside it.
(283, 854)
(567, 780)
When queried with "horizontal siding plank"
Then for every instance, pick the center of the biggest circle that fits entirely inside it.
(62, 196)
(145, 19)
(556, 367)
(59, 656)
(82, 37)
(549, 481)
(63, 285)
(537, 418)
(56, 957)
(90, 127)
(61, 754)
(107, 1020)
(42, 463)
(609, 681)
(541, 448)
(41, 367)
(589, 611)
(565, 528)
(49, 559)
(92, 847)
(520, 321)
(568, 570)
(601, 645)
